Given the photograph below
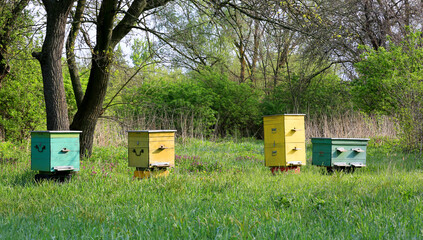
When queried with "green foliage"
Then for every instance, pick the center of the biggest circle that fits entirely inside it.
(169, 104)
(384, 144)
(195, 106)
(19, 27)
(326, 95)
(236, 105)
(140, 52)
(22, 107)
(390, 82)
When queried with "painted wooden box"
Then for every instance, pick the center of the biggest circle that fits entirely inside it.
(54, 151)
(339, 152)
(284, 140)
(151, 148)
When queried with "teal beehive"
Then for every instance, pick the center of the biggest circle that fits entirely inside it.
(55, 151)
(339, 153)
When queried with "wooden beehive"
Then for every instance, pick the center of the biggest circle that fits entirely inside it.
(55, 151)
(339, 152)
(284, 140)
(151, 148)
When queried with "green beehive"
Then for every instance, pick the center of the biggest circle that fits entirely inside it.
(55, 151)
(339, 153)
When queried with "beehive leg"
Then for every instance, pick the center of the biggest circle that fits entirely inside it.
(56, 176)
(350, 169)
(65, 176)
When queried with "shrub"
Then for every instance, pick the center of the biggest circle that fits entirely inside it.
(22, 107)
(236, 106)
(326, 95)
(390, 82)
(181, 105)
(197, 105)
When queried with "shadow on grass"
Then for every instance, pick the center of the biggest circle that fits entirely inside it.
(31, 178)
(24, 179)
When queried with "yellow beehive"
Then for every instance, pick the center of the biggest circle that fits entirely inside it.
(151, 149)
(284, 140)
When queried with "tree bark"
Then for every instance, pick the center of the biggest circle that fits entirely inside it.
(4, 66)
(256, 45)
(241, 57)
(51, 64)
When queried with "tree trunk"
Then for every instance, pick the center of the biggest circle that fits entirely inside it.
(4, 67)
(257, 40)
(91, 107)
(51, 64)
(242, 62)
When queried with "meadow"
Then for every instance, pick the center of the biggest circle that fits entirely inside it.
(218, 190)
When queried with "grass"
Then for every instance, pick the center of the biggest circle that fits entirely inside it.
(218, 190)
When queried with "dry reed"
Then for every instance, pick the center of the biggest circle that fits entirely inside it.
(347, 125)
(351, 125)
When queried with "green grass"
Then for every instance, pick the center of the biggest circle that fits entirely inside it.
(218, 190)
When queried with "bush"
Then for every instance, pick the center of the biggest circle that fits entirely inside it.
(390, 82)
(182, 105)
(237, 106)
(22, 107)
(326, 95)
(195, 106)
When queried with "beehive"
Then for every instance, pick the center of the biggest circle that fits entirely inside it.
(55, 151)
(284, 140)
(339, 152)
(151, 148)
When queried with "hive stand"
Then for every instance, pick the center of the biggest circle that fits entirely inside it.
(151, 152)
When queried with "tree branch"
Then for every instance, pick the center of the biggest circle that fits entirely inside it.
(70, 53)
(158, 35)
(124, 85)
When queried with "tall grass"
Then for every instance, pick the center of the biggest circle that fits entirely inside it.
(351, 125)
(189, 123)
(346, 125)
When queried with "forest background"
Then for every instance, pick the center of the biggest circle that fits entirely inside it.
(212, 69)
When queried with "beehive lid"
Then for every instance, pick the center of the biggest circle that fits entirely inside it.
(358, 139)
(152, 131)
(286, 114)
(338, 140)
(56, 131)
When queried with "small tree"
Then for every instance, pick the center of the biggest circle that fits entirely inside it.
(11, 25)
(390, 82)
(22, 107)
